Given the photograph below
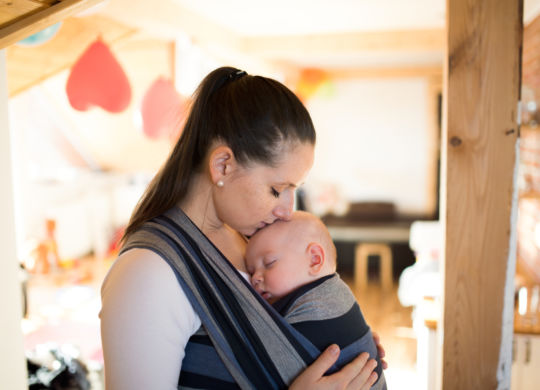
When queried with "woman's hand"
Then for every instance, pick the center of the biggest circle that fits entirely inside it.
(380, 350)
(357, 375)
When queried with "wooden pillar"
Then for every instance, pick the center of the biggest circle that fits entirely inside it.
(12, 361)
(480, 132)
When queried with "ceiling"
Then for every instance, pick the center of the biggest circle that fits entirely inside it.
(347, 37)
(304, 33)
(285, 17)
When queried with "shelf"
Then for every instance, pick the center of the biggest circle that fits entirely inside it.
(531, 195)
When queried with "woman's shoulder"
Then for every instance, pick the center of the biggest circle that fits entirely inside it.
(139, 268)
(139, 278)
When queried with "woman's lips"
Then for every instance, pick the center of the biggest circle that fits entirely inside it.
(263, 224)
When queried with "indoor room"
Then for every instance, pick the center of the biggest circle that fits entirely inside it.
(95, 95)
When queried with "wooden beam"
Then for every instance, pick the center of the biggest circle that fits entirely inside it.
(386, 72)
(35, 21)
(170, 19)
(336, 43)
(482, 83)
(28, 66)
(15, 9)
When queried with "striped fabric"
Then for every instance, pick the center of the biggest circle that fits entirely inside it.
(325, 311)
(255, 347)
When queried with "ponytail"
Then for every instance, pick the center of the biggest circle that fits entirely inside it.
(253, 115)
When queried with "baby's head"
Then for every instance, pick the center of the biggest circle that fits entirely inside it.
(288, 254)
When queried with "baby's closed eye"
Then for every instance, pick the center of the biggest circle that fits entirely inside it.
(269, 262)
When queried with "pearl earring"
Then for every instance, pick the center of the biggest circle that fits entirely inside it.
(220, 183)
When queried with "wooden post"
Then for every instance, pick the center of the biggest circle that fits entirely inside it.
(12, 361)
(480, 132)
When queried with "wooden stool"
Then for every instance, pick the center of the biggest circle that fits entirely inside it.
(362, 252)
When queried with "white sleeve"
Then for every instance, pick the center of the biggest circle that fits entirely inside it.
(146, 322)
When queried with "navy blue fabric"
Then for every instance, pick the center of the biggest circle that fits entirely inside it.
(223, 318)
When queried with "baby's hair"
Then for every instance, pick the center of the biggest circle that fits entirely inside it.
(320, 233)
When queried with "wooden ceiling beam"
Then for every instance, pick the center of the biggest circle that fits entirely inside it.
(386, 72)
(28, 66)
(428, 40)
(19, 21)
(171, 19)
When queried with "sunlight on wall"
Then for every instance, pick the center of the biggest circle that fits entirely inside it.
(374, 142)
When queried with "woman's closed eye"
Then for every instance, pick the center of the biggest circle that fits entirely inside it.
(275, 192)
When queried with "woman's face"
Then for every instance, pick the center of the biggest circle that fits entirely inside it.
(255, 196)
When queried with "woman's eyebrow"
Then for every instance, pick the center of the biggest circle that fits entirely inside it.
(288, 184)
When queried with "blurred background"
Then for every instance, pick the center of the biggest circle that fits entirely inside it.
(95, 104)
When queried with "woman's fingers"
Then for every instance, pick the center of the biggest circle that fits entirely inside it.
(366, 377)
(356, 375)
(355, 368)
(380, 350)
(316, 370)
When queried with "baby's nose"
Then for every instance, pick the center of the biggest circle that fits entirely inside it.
(256, 278)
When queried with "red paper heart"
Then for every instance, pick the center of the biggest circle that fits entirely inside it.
(97, 79)
(162, 110)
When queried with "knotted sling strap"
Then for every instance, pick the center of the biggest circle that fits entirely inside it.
(257, 346)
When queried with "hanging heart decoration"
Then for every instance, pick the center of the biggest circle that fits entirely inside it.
(98, 79)
(162, 110)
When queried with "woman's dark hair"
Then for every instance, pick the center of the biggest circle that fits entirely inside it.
(253, 115)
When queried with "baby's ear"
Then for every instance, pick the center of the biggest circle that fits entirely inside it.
(316, 258)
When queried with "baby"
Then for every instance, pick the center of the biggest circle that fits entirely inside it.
(293, 266)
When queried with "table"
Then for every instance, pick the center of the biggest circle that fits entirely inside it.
(391, 232)
(372, 239)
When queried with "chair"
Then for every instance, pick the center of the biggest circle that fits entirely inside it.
(362, 253)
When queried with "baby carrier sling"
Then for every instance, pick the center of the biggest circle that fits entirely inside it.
(256, 347)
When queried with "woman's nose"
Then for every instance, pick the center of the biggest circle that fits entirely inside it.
(285, 208)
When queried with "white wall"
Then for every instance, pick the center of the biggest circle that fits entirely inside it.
(376, 143)
(12, 363)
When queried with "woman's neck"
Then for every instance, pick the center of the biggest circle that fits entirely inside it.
(198, 205)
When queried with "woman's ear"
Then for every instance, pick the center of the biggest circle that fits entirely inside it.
(221, 163)
(316, 258)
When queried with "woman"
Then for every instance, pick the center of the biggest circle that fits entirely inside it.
(246, 146)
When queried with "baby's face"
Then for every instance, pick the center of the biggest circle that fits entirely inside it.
(277, 262)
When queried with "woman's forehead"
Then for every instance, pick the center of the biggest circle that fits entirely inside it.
(292, 169)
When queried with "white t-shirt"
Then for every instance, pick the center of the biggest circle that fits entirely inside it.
(143, 354)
